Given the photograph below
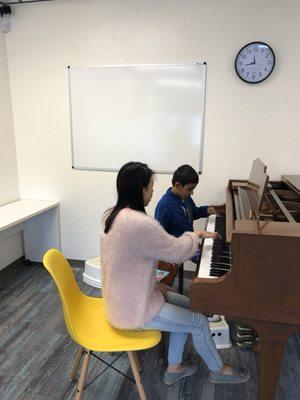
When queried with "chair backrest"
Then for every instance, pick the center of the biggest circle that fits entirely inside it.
(70, 294)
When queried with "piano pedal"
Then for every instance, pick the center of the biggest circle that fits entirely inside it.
(244, 337)
(245, 345)
(243, 327)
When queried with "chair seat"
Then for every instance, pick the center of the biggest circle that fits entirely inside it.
(93, 330)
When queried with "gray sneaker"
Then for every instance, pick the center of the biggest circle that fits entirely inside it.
(240, 375)
(172, 377)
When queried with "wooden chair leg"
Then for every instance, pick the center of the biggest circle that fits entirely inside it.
(137, 360)
(162, 349)
(180, 279)
(83, 373)
(76, 362)
(136, 375)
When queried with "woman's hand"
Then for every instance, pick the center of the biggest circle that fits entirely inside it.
(207, 234)
(165, 288)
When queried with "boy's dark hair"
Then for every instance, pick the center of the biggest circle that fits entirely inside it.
(185, 174)
(131, 179)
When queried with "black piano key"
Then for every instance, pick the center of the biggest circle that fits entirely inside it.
(226, 261)
(221, 252)
(217, 273)
(218, 268)
(221, 258)
(216, 264)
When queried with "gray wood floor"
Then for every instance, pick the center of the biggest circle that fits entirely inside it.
(36, 353)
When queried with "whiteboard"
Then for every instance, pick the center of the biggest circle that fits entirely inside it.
(148, 113)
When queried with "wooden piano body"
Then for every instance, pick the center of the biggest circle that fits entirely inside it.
(262, 287)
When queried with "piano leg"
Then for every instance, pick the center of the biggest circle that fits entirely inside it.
(272, 338)
(270, 356)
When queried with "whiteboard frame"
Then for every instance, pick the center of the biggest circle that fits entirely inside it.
(137, 65)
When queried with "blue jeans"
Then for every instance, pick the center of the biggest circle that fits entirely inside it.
(176, 317)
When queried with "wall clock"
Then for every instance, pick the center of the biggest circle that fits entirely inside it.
(255, 62)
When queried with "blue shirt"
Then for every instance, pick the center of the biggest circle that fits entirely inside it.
(176, 215)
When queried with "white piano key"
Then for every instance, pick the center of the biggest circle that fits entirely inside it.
(204, 268)
(204, 271)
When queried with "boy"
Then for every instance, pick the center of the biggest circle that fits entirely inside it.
(176, 210)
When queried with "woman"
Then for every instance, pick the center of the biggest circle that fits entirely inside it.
(131, 245)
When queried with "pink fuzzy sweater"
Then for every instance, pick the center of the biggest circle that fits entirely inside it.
(129, 255)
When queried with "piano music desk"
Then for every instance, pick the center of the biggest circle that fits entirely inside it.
(39, 221)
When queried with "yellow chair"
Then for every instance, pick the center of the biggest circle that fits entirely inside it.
(88, 325)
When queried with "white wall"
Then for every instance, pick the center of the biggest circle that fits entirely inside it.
(242, 121)
(10, 248)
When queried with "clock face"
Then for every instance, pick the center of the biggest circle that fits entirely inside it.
(255, 62)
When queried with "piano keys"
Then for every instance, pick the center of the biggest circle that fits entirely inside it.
(262, 286)
(203, 267)
(216, 257)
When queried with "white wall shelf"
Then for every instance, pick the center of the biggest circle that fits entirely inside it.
(39, 221)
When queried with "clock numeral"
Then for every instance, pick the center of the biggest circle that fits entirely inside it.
(253, 76)
(266, 69)
(249, 51)
(268, 62)
(242, 70)
(260, 74)
(255, 48)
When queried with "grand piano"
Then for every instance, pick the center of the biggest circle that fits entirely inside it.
(254, 273)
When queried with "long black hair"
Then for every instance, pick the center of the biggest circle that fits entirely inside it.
(131, 179)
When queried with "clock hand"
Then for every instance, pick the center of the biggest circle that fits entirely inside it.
(252, 63)
(256, 63)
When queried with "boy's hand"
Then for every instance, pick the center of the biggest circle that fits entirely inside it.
(219, 209)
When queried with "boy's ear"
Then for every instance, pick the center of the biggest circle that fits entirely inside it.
(178, 185)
